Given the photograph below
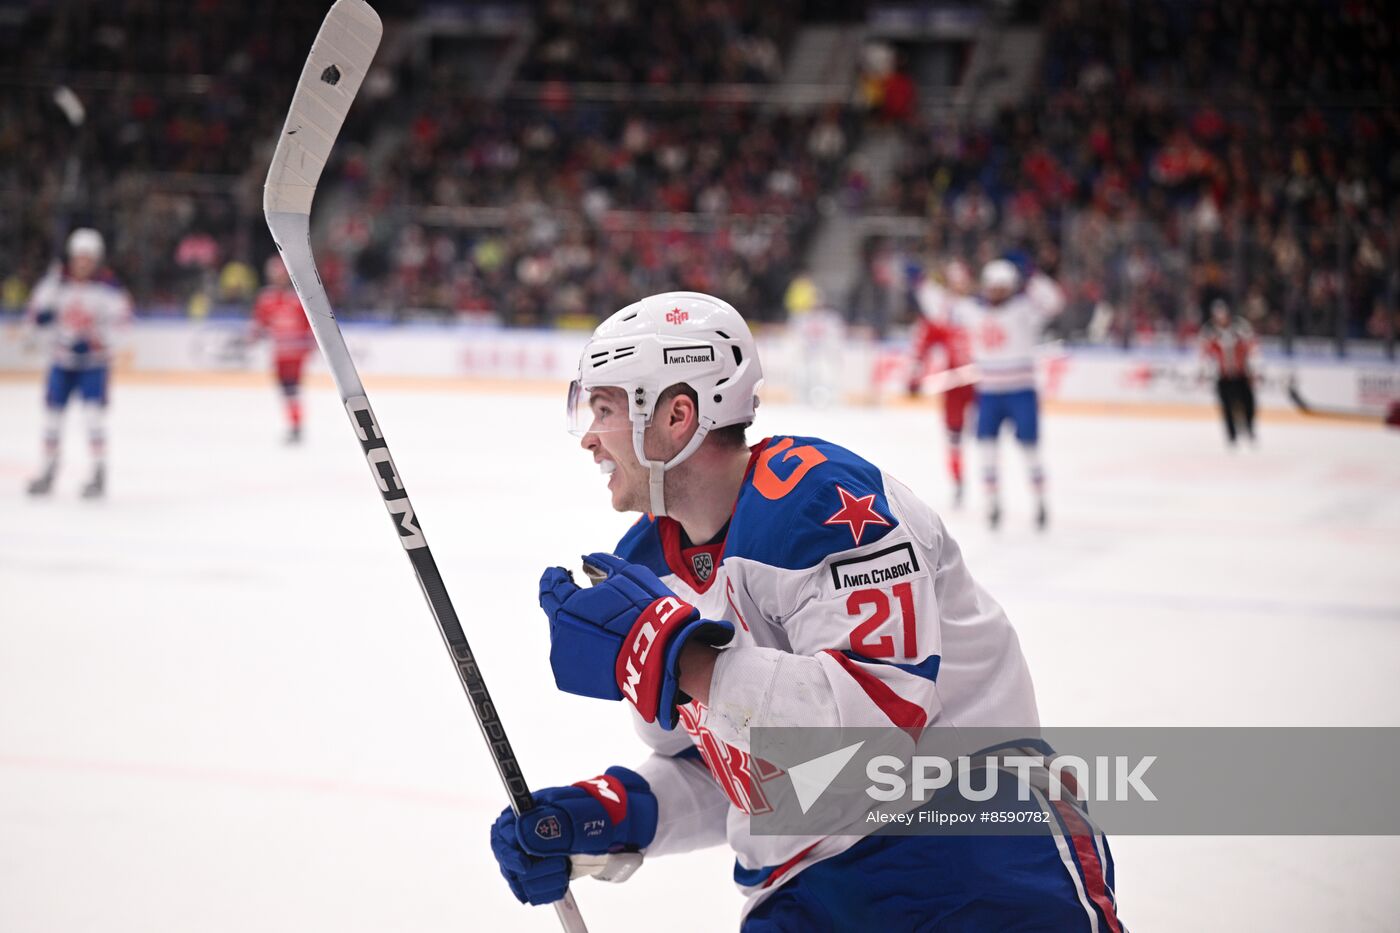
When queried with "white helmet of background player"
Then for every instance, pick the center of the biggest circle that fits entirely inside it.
(662, 341)
(1000, 279)
(85, 241)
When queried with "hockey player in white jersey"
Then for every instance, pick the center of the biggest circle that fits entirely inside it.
(1003, 324)
(81, 304)
(719, 612)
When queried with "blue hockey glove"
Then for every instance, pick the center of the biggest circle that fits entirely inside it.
(623, 636)
(613, 812)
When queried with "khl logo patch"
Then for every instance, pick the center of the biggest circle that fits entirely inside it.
(548, 828)
(704, 565)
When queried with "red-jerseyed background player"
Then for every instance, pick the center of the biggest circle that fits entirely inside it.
(935, 328)
(1228, 346)
(278, 316)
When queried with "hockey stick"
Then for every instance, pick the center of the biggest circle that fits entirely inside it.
(1332, 414)
(946, 380)
(337, 64)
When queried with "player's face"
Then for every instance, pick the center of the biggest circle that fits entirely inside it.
(998, 294)
(82, 266)
(608, 438)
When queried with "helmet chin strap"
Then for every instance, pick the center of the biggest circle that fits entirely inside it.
(657, 469)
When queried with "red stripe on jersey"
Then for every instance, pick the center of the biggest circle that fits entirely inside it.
(1095, 884)
(911, 717)
(786, 867)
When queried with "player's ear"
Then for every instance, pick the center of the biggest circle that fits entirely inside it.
(681, 414)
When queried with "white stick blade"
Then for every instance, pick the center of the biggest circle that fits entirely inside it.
(339, 60)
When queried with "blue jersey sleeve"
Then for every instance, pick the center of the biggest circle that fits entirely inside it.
(806, 500)
(642, 545)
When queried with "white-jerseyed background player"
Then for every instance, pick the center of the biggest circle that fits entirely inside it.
(1003, 325)
(81, 305)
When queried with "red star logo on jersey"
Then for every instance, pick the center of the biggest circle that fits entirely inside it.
(856, 512)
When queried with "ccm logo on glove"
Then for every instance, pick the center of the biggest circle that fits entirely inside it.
(622, 637)
(656, 620)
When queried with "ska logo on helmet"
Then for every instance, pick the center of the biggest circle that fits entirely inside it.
(548, 828)
(704, 564)
(677, 316)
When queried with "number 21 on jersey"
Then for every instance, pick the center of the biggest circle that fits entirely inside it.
(864, 638)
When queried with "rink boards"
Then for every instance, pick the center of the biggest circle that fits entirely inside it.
(849, 368)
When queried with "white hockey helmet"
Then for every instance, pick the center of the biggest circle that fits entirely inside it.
(1000, 273)
(662, 341)
(85, 241)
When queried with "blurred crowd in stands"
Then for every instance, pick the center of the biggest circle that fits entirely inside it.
(174, 98)
(644, 42)
(1181, 152)
(564, 212)
(1171, 153)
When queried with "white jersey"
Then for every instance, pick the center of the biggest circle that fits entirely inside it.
(851, 606)
(935, 301)
(83, 315)
(1003, 337)
(817, 340)
(1047, 293)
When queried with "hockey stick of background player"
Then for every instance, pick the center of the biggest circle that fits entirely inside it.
(72, 192)
(1312, 411)
(947, 379)
(339, 58)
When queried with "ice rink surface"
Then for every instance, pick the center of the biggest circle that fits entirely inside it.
(224, 705)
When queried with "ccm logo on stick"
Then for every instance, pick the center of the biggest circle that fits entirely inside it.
(385, 473)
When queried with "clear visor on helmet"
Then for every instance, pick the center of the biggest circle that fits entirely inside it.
(596, 411)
